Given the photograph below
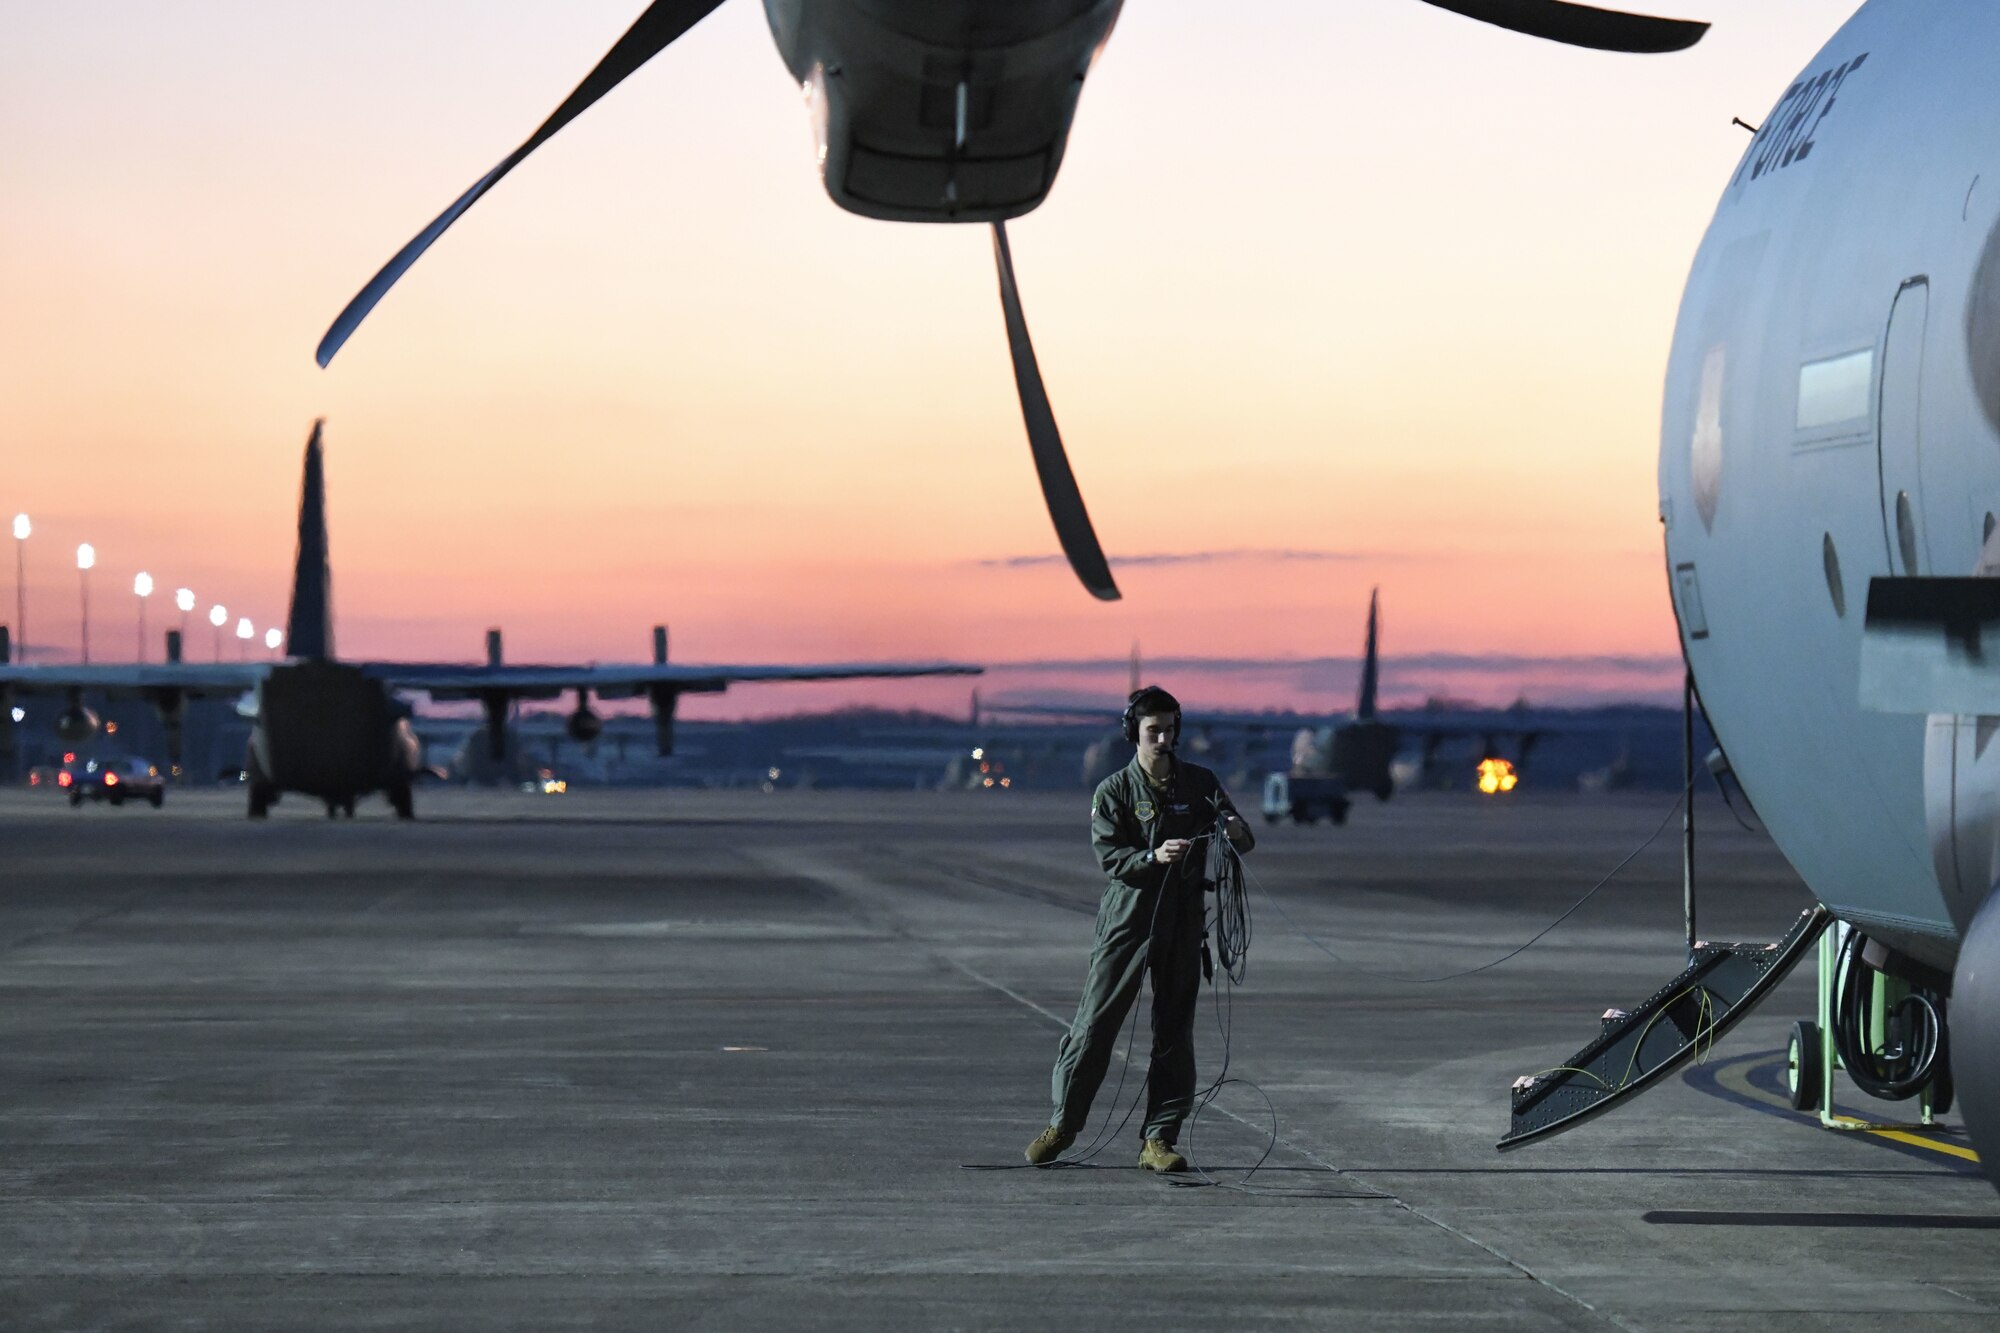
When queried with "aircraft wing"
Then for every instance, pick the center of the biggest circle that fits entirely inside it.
(196, 678)
(1444, 722)
(1109, 715)
(614, 680)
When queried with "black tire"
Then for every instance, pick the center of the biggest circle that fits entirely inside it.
(1803, 1071)
(261, 798)
(1300, 814)
(1339, 812)
(75, 797)
(1385, 791)
(116, 798)
(401, 801)
(158, 798)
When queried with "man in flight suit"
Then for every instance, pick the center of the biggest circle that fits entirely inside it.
(1151, 824)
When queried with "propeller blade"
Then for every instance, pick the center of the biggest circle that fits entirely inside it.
(1582, 25)
(1065, 501)
(655, 30)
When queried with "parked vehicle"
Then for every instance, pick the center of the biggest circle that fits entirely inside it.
(1304, 799)
(117, 780)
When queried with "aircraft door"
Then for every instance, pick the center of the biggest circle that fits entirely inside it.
(1899, 437)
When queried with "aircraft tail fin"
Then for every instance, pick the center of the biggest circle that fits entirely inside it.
(1364, 707)
(309, 628)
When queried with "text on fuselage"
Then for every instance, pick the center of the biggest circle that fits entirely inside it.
(1790, 132)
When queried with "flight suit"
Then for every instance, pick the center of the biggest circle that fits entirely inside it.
(1151, 915)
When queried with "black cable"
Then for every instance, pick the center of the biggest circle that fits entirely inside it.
(1903, 1070)
(1231, 925)
(1505, 957)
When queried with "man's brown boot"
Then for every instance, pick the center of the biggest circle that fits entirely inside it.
(1159, 1155)
(1049, 1144)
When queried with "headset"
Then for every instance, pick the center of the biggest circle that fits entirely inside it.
(1138, 704)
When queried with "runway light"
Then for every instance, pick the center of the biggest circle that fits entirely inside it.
(111, 728)
(1496, 776)
(22, 527)
(978, 753)
(1006, 782)
(143, 585)
(86, 556)
(63, 779)
(243, 629)
(184, 599)
(110, 779)
(272, 638)
(218, 615)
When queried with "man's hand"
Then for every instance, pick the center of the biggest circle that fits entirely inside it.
(1172, 850)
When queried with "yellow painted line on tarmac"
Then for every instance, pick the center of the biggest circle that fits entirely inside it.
(1917, 1140)
(1735, 1076)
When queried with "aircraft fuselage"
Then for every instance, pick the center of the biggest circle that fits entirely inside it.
(1832, 415)
(1832, 420)
(326, 730)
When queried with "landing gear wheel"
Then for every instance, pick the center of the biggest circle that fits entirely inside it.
(157, 799)
(1338, 810)
(261, 798)
(1803, 1072)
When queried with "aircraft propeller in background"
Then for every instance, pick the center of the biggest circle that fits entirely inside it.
(958, 111)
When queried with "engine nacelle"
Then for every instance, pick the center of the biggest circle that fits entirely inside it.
(77, 724)
(584, 726)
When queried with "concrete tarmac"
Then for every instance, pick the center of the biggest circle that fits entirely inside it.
(718, 1061)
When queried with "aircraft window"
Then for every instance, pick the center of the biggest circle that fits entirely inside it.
(1835, 389)
(1834, 589)
(1906, 532)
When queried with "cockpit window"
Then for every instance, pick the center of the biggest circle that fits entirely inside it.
(1835, 389)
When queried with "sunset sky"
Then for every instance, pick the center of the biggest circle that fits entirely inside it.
(1327, 296)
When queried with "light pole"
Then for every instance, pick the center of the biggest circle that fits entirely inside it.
(86, 556)
(142, 588)
(243, 636)
(272, 638)
(184, 599)
(21, 530)
(218, 616)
